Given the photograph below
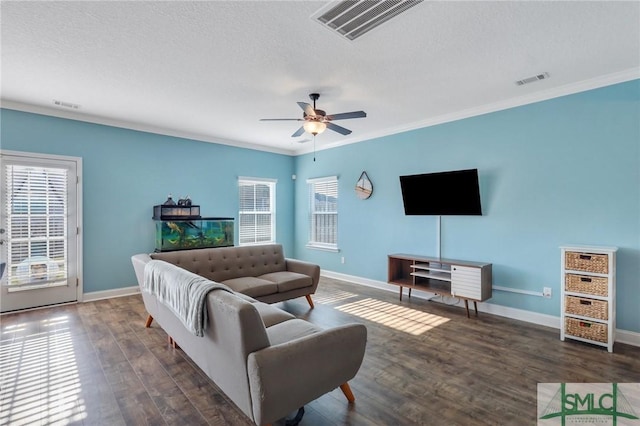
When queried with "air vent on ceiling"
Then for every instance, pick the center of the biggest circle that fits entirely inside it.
(64, 104)
(353, 18)
(538, 77)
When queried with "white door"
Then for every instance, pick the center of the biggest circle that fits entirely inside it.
(39, 230)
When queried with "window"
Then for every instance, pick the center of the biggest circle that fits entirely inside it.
(257, 211)
(323, 213)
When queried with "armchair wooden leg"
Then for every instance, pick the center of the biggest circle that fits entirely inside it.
(308, 296)
(346, 390)
(149, 321)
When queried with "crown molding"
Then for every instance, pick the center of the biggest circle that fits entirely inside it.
(557, 92)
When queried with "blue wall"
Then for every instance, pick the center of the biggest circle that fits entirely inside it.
(563, 171)
(127, 172)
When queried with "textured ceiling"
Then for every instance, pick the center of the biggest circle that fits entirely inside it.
(211, 70)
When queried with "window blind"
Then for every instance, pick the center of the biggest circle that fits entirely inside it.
(257, 211)
(36, 213)
(323, 209)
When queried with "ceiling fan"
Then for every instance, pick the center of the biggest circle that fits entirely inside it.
(317, 121)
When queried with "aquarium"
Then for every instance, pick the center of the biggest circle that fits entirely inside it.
(194, 233)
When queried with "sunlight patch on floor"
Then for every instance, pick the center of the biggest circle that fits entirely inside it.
(400, 318)
(334, 297)
(39, 380)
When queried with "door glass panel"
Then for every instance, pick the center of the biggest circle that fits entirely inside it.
(36, 213)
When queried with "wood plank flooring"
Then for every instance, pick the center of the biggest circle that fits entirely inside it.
(426, 364)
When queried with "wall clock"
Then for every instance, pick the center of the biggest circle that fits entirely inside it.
(364, 187)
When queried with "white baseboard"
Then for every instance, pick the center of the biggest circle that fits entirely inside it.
(628, 337)
(109, 294)
(622, 336)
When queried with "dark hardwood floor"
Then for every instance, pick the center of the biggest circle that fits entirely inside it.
(426, 364)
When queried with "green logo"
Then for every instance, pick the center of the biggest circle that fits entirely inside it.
(588, 404)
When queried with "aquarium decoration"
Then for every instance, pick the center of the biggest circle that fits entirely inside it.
(169, 201)
(186, 201)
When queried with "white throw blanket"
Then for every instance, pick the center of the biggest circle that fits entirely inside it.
(183, 292)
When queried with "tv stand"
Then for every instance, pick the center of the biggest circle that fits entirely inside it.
(447, 277)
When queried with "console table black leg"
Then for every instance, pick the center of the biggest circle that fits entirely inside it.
(466, 305)
(475, 305)
(409, 292)
(401, 293)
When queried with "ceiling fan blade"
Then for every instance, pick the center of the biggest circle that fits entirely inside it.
(298, 132)
(338, 129)
(345, 115)
(307, 109)
(281, 119)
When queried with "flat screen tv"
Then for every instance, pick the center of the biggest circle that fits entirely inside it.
(445, 193)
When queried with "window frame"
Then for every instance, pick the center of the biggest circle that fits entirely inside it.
(314, 239)
(248, 181)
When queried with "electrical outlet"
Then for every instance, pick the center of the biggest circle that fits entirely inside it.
(342, 260)
(546, 292)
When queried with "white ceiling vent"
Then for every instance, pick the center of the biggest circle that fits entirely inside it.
(538, 77)
(353, 18)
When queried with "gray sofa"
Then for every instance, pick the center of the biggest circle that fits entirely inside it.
(264, 359)
(261, 272)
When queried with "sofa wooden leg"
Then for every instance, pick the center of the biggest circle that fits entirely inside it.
(173, 343)
(346, 390)
(149, 321)
(308, 296)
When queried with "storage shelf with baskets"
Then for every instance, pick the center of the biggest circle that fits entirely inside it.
(588, 294)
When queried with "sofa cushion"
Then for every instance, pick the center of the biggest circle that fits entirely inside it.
(252, 286)
(290, 330)
(271, 315)
(288, 280)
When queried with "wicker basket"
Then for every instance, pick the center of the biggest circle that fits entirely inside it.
(586, 329)
(588, 262)
(591, 308)
(598, 286)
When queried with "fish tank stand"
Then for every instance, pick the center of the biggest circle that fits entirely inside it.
(184, 233)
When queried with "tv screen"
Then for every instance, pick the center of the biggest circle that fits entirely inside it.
(444, 193)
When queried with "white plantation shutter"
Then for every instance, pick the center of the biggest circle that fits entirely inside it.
(36, 213)
(323, 209)
(257, 211)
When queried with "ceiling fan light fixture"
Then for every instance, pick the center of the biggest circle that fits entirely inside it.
(314, 127)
